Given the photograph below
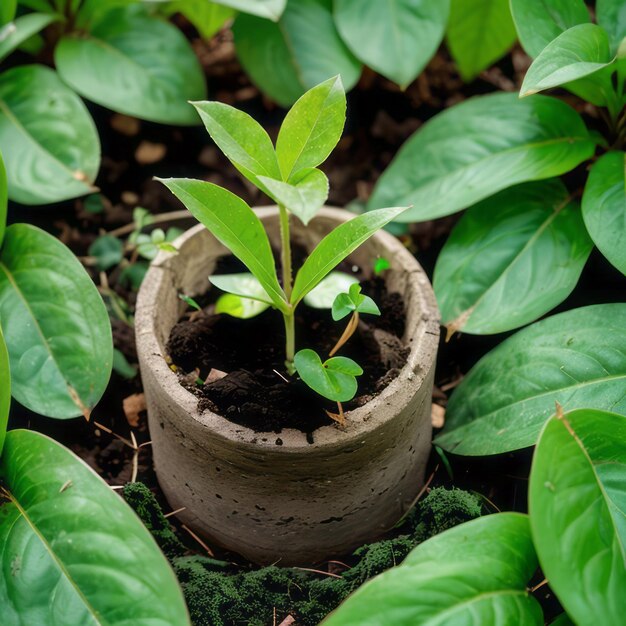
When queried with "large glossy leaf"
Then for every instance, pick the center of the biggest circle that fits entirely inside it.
(479, 33)
(337, 245)
(5, 389)
(12, 35)
(55, 324)
(538, 22)
(312, 128)
(577, 358)
(302, 50)
(241, 138)
(472, 575)
(511, 258)
(72, 551)
(479, 147)
(611, 15)
(50, 145)
(577, 500)
(578, 52)
(135, 64)
(604, 207)
(271, 9)
(235, 224)
(396, 38)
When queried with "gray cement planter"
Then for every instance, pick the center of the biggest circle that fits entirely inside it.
(294, 503)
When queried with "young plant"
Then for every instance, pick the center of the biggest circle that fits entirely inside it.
(335, 378)
(289, 175)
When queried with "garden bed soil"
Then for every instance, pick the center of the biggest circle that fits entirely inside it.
(256, 391)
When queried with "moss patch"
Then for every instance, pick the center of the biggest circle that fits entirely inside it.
(217, 594)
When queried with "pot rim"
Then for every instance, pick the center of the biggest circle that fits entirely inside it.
(362, 420)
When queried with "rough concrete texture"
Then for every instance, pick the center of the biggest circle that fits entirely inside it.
(294, 503)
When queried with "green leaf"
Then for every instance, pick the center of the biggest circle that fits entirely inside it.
(3, 199)
(236, 306)
(578, 52)
(50, 144)
(207, 17)
(511, 258)
(479, 33)
(383, 34)
(577, 358)
(304, 196)
(7, 10)
(323, 296)
(122, 367)
(15, 33)
(479, 147)
(297, 53)
(611, 15)
(73, 551)
(242, 139)
(5, 389)
(245, 285)
(577, 499)
(438, 584)
(312, 128)
(334, 379)
(604, 207)
(353, 301)
(562, 620)
(189, 301)
(135, 64)
(234, 224)
(271, 9)
(55, 324)
(108, 250)
(336, 246)
(538, 22)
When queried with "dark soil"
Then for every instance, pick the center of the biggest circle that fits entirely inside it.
(257, 391)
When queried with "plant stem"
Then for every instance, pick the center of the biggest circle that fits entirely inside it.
(353, 324)
(285, 259)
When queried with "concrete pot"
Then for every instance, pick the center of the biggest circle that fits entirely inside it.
(294, 503)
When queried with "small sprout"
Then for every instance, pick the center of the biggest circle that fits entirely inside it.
(353, 302)
(189, 301)
(334, 379)
(380, 265)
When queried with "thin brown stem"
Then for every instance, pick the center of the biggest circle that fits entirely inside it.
(347, 333)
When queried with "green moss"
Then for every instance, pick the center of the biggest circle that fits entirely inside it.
(219, 595)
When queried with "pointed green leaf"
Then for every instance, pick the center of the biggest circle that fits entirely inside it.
(242, 308)
(483, 273)
(538, 22)
(479, 33)
(382, 34)
(50, 145)
(312, 128)
(241, 138)
(437, 584)
(336, 246)
(15, 33)
(55, 325)
(577, 359)
(235, 224)
(483, 145)
(271, 9)
(578, 52)
(334, 379)
(303, 49)
(245, 285)
(304, 196)
(577, 500)
(73, 552)
(611, 15)
(135, 64)
(604, 207)
(323, 296)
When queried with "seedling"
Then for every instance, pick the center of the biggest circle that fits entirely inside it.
(288, 174)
